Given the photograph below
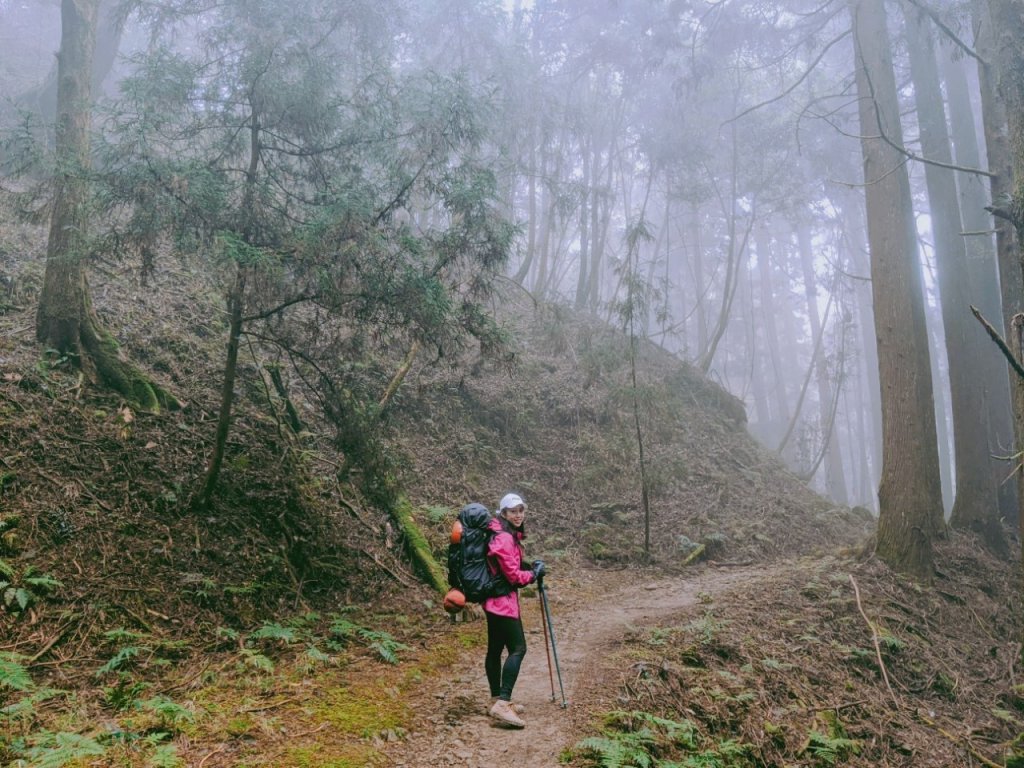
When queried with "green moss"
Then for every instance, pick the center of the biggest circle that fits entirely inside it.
(315, 757)
(239, 726)
(362, 710)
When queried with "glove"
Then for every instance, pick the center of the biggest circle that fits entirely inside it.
(538, 570)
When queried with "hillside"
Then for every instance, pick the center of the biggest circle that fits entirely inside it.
(558, 424)
(284, 626)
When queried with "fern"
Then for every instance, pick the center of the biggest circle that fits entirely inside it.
(274, 631)
(42, 583)
(342, 628)
(55, 750)
(12, 674)
(123, 694)
(226, 634)
(165, 756)
(311, 617)
(123, 655)
(727, 754)
(829, 750)
(680, 734)
(25, 710)
(383, 643)
(121, 635)
(437, 515)
(620, 750)
(170, 715)
(315, 656)
(257, 660)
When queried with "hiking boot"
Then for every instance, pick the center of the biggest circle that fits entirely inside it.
(517, 708)
(504, 712)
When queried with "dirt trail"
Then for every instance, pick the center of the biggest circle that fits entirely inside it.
(456, 731)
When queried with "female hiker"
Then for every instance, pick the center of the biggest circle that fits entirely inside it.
(504, 623)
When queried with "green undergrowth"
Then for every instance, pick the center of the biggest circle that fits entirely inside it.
(901, 675)
(639, 739)
(309, 690)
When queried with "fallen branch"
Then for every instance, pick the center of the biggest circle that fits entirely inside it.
(739, 564)
(265, 707)
(874, 639)
(211, 754)
(310, 732)
(49, 644)
(390, 572)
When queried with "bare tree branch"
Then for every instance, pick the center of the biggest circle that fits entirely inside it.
(934, 16)
(1007, 352)
(795, 85)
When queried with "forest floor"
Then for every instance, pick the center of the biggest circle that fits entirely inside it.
(588, 620)
(807, 662)
(285, 628)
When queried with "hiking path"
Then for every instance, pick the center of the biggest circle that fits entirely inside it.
(454, 729)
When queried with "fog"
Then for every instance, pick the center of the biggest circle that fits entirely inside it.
(695, 170)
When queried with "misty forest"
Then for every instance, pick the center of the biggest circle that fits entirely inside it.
(728, 293)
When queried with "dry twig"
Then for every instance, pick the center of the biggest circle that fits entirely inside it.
(874, 639)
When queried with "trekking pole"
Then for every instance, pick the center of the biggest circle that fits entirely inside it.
(551, 634)
(547, 650)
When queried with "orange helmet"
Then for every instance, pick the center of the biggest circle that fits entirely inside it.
(456, 536)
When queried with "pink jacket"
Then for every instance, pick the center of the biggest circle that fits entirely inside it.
(505, 555)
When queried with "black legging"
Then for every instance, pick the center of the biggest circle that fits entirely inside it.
(504, 632)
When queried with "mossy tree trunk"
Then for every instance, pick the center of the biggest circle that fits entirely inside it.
(417, 548)
(65, 319)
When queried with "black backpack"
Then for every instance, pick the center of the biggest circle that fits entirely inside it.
(467, 558)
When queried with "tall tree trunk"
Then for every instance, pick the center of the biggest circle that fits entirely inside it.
(854, 228)
(236, 303)
(65, 318)
(975, 507)
(1007, 29)
(998, 54)
(866, 386)
(982, 267)
(531, 204)
(760, 362)
(943, 417)
(769, 312)
(583, 283)
(835, 478)
(107, 31)
(600, 202)
(699, 289)
(910, 506)
(736, 246)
